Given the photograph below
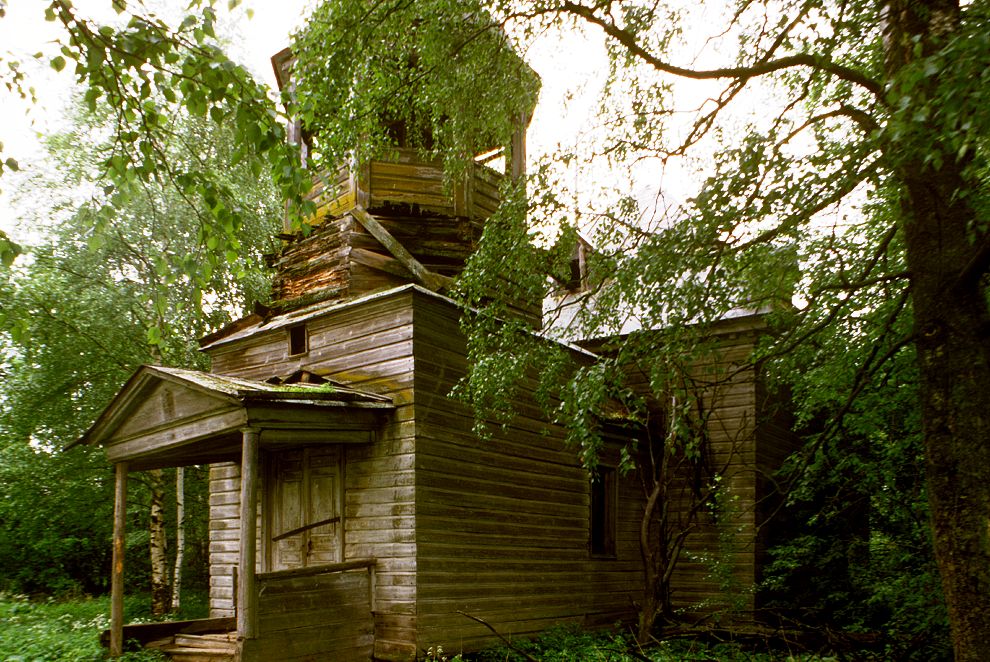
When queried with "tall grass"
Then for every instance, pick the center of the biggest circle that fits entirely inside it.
(67, 630)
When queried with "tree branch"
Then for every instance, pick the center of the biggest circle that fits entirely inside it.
(629, 41)
(498, 634)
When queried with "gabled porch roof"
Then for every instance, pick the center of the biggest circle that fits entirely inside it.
(172, 417)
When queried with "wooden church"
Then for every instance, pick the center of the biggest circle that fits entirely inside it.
(353, 513)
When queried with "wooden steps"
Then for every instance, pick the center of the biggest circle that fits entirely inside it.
(198, 647)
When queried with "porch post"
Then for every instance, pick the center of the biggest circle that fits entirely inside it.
(246, 595)
(117, 573)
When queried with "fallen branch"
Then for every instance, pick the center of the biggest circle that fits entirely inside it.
(508, 643)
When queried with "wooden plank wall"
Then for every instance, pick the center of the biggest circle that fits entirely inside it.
(319, 261)
(485, 196)
(225, 499)
(225, 536)
(342, 256)
(716, 570)
(332, 195)
(503, 524)
(719, 571)
(407, 182)
(316, 617)
(369, 347)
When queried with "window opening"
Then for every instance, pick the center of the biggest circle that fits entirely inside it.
(298, 340)
(604, 507)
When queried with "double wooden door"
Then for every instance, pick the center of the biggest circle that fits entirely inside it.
(303, 496)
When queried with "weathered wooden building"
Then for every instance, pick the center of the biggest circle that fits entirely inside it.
(353, 513)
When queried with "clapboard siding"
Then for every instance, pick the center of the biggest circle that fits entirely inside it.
(502, 524)
(718, 567)
(367, 346)
(225, 536)
(407, 181)
(225, 486)
(324, 616)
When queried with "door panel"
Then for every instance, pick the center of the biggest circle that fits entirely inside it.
(324, 540)
(305, 489)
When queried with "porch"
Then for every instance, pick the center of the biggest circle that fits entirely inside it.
(168, 417)
(323, 612)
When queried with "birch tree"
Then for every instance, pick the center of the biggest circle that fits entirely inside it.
(92, 304)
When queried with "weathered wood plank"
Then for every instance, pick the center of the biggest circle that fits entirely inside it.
(422, 275)
(117, 573)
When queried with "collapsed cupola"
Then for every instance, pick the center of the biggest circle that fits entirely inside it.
(384, 221)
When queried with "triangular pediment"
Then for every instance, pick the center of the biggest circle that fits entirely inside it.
(168, 403)
(153, 398)
(173, 417)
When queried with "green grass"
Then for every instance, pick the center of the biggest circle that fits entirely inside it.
(68, 630)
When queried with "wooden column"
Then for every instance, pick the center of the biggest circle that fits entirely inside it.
(247, 598)
(117, 573)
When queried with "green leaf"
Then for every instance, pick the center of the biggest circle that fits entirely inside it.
(58, 63)
(12, 164)
(154, 335)
(8, 250)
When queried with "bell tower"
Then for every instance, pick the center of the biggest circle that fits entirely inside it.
(381, 223)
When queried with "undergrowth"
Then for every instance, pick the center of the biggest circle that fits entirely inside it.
(68, 630)
(569, 643)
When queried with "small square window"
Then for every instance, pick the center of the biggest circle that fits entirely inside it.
(604, 509)
(298, 340)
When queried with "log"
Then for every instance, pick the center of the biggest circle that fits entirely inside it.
(117, 576)
(247, 598)
(422, 275)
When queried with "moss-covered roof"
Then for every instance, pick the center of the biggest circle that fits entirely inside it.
(250, 389)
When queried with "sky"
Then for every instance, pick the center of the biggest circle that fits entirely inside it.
(24, 32)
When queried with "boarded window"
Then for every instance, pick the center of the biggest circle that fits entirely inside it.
(298, 339)
(604, 507)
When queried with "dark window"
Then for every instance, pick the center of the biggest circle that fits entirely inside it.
(297, 339)
(604, 507)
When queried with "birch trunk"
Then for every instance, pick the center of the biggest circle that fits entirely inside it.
(160, 592)
(180, 537)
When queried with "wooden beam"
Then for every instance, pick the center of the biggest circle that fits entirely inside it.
(175, 435)
(247, 598)
(380, 262)
(360, 182)
(421, 274)
(117, 573)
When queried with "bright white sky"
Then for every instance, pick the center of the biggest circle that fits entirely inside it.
(570, 66)
(24, 32)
